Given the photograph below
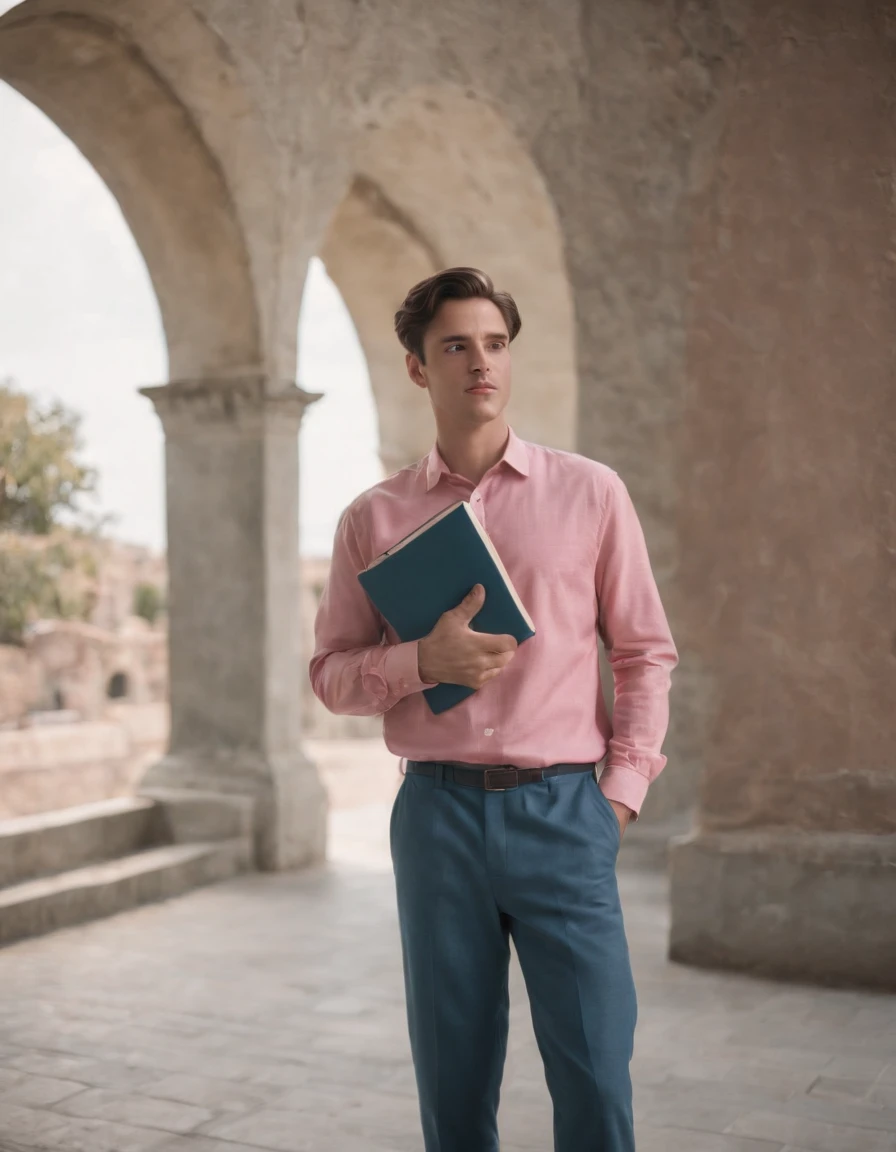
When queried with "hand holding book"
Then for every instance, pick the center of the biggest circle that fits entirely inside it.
(417, 584)
(453, 653)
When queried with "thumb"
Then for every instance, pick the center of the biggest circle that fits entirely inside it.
(471, 603)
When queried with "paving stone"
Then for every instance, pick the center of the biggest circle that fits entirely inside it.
(811, 1134)
(99, 1104)
(117, 1074)
(683, 1140)
(854, 1068)
(384, 1118)
(831, 1089)
(9, 1077)
(202, 1144)
(36, 1091)
(701, 1115)
(215, 1095)
(855, 1113)
(29, 1126)
(286, 1075)
(294, 1132)
(100, 1136)
(53, 1064)
(150, 1064)
(779, 1081)
(884, 1094)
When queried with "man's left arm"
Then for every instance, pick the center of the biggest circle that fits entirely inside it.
(642, 654)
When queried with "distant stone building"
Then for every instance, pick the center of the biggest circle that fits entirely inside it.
(121, 569)
(79, 667)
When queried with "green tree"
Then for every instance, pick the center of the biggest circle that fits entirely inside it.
(148, 601)
(41, 478)
(39, 582)
(45, 571)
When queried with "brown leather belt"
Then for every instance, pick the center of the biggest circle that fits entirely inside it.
(491, 777)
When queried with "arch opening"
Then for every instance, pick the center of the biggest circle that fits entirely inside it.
(98, 88)
(79, 321)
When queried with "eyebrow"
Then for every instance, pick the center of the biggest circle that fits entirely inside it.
(490, 336)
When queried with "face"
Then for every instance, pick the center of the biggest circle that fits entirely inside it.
(467, 366)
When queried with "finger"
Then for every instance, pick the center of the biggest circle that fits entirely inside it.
(471, 603)
(499, 643)
(496, 660)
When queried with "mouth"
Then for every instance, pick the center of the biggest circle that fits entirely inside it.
(481, 389)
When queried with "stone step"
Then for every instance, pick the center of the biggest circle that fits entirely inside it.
(70, 838)
(73, 897)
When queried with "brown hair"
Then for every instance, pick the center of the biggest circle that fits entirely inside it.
(424, 300)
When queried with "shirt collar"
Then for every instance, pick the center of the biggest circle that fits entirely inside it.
(515, 455)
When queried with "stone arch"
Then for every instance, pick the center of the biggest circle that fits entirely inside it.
(441, 179)
(93, 81)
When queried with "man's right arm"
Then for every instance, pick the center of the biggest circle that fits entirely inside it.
(353, 672)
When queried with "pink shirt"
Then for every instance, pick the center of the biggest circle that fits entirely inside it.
(569, 537)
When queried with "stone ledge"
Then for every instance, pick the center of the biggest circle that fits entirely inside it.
(814, 907)
(83, 894)
(52, 842)
(190, 817)
(647, 845)
(288, 800)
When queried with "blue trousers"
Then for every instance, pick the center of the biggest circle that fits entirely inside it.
(536, 863)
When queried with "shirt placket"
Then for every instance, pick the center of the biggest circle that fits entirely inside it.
(484, 730)
(477, 502)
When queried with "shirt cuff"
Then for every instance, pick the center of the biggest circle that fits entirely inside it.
(402, 670)
(625, 786)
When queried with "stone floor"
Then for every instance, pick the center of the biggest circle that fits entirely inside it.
(267, 1013)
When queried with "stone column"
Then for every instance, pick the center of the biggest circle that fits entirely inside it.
(236, 665)
(789, 513)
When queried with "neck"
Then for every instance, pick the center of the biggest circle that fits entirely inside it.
(470, 452)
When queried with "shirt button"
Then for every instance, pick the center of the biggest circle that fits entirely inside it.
(489, 732)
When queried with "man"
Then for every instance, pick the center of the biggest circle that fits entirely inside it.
(500, 828)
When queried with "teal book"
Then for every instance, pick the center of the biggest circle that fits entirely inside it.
(430, 571)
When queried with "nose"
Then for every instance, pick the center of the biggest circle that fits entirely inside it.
(478, 359)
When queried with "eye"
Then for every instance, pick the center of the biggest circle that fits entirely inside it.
(451, 347)
(498, 344)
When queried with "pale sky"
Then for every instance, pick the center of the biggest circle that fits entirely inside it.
(79, 321)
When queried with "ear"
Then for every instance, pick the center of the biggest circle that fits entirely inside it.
(415, 369)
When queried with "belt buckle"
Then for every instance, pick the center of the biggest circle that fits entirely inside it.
(498, 787)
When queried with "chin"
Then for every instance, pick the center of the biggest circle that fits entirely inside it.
(488, 416)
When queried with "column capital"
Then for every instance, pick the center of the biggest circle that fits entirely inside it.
(248, 404)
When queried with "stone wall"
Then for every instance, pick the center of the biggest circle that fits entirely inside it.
(60, 765)
(70, 665)
(19, 684)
